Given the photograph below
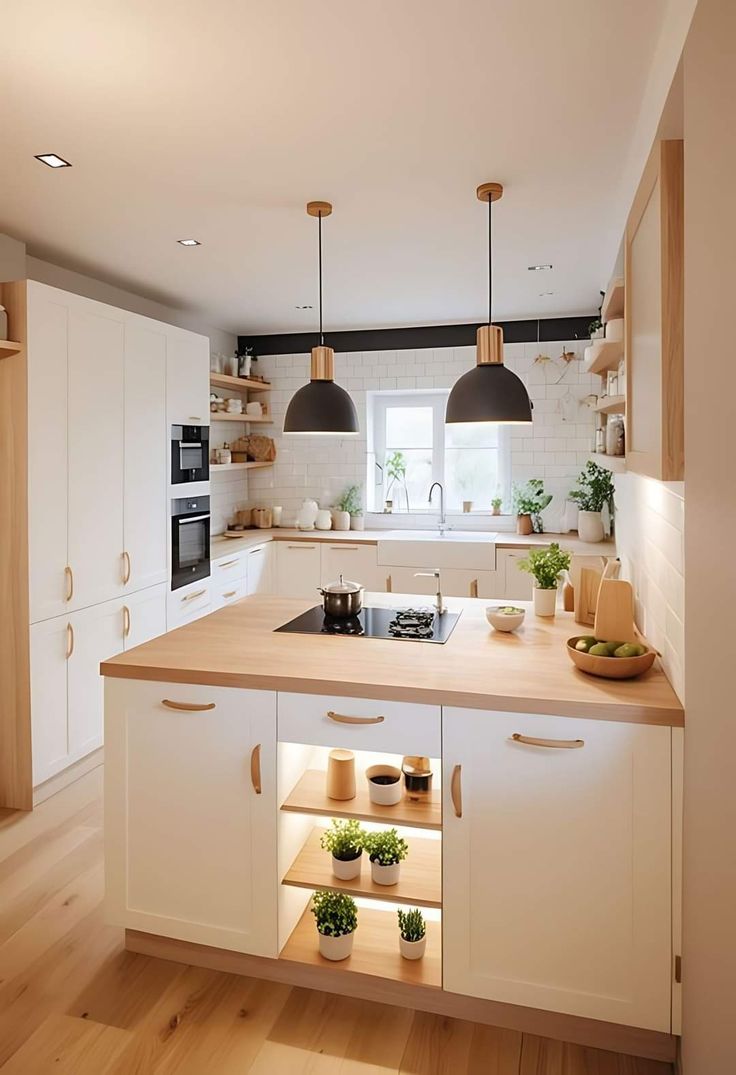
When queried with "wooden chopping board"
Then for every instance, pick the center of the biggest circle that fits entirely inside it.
(614, 613)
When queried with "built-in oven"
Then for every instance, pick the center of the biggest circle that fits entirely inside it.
(190, 454)
(190, 540)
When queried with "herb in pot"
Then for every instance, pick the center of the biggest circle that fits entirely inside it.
(529, 501)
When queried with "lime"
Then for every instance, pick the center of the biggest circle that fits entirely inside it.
(584, 644)
(629, 649)
(600, 649)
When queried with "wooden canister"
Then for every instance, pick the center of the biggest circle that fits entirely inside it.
(341, 774)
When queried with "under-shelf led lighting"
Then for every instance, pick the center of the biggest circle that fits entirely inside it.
(188, 242)
(53, 160)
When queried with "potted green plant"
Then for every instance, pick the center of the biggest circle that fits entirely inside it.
(344, 841)
(546, 565)
(351, 502)
(595, 489)
(337, 920)
(386, 850)
(529, 501)
(396, 471)
(412, 933)
(496, 505)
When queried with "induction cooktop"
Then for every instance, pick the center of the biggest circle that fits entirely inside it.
(401, 624)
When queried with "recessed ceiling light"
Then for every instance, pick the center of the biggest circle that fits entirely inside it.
(189, 242)
(538, 268)
(53, 160)
(306, 307)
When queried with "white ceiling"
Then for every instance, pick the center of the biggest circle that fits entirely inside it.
(220, 120)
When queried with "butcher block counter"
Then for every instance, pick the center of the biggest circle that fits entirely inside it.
(527, 671)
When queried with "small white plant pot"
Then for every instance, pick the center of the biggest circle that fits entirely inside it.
(357, 522)
(385, 875)
(545, 601)
(347, 869)
(380, 791)
(590, 526)
(336, 948)
(341, 520)
(412, 949)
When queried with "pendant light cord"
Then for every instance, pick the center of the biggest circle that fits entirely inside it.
(321, 333)
(490, 260)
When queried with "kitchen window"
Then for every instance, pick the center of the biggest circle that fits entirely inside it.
(407, 432)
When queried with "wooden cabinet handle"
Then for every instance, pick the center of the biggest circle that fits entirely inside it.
(69, 582)
(474, 588)
(191, 596)
(562, 744)
(456, 790)
(339, 718)
(308, 548)
(126, 572)
(229, 563)
(388, 584)
(69, 640)
(188, 707)
(230, 593)
(344, 548)
(126, 621)
(255, 768)
(254, 551)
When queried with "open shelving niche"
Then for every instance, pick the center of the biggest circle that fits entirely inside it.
(604, 355)
(305, 811)
(238, 384)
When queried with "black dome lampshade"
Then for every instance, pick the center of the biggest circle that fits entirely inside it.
(321, 406)
(490, 392)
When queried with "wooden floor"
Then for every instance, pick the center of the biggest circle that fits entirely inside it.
(73, 1001)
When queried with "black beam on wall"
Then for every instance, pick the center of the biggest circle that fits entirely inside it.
(546, 329)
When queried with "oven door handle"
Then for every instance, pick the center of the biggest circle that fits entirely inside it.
(193, 519)
(184, 444)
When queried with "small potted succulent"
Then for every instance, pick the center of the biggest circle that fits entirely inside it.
(546, 565)
(530, 500)
(386, 851)
(496, 505)
(337, 920)
(595, 489)
(344, 841)
(412, 933)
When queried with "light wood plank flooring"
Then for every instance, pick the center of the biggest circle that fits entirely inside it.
(74, 1002)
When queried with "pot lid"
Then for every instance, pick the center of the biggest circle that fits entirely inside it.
(342, 586)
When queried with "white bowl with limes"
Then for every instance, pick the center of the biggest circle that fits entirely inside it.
(505, 617)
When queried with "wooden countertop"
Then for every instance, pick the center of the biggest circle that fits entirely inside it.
(526, 672)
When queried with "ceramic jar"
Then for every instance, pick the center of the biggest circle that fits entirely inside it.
(385, 875)
(323, 520)
(590, 526)
(307, 516)
(347, 869)
(336, 948)
(341, 520)
(545, 601)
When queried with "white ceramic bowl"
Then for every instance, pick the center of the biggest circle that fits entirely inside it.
(505, 621)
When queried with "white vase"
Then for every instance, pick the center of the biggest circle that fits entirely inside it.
(323, 520)
(357, 522)
(412, 949)
(545, 601)
(347, 869)
(307, 514)
(336, 948)
(385, 875)
(341, 520)
(590, 526)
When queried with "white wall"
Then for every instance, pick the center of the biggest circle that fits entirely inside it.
(556, 447)
(650, 518)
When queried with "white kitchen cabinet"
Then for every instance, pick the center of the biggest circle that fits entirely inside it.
(298, 569)
(187, 378)
(330, 721)
(48, 317)
(557, 873)
(455, 582)
(191, 813)
(188, 603)
(514, 584)
(97, 635)
(145, 512)
(95, 451)
(358, 563)
(227, 593)
(49, 644)
(259, 569)
(228, 568)
(145, 617)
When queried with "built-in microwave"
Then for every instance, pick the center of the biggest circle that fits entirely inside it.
(190, 454)
(190, 540)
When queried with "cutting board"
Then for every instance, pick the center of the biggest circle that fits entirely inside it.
(586, 583)
(614, 613)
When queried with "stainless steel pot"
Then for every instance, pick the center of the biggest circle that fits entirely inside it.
(342, 599)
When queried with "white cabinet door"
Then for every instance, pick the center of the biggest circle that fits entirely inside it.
(47, 450)
(227, 593)
(187, 378)
(145, 617)
(98, 634)
(514, 584)
(358, 563)
(297, 569)
(557, 873)
(455, 582)
(191, 813)
(259, 569)
(49, 642)
(188, 603)
(95, 424)
(145, 515)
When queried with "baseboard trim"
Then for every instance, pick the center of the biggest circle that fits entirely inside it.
(649, 1044)
(68, 776)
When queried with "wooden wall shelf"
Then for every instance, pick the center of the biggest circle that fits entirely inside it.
(606, 355)
(615, 463)
(375, 949)
(613, 303)
(309, 797)
(222, 416)
(241, 384)
(421, 874)
(8, 347)
(238, 466)
(611, 405)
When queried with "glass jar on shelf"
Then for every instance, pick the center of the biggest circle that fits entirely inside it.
(615, 435)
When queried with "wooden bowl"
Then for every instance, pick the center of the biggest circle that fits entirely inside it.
(609, 667)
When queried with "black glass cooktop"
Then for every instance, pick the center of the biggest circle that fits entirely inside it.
(406, 624)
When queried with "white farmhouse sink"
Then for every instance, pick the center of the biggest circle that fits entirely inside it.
(425, 549)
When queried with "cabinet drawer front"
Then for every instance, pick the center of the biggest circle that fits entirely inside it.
(188, 604)
(225, 592)
(405, 728)
(227, 569)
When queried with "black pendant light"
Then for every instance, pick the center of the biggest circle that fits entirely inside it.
(490, 392)
(321, 406)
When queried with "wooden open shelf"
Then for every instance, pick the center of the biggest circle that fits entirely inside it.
(606, 355)
(611, 405)
(238, 466)
(420, 883)
(223, 380)
(309, 797)
(221, 416)
(375, 949)
(614, 463)
(8, 347)
(613, 303)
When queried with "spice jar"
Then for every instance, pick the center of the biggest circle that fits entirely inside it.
(615, 437)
